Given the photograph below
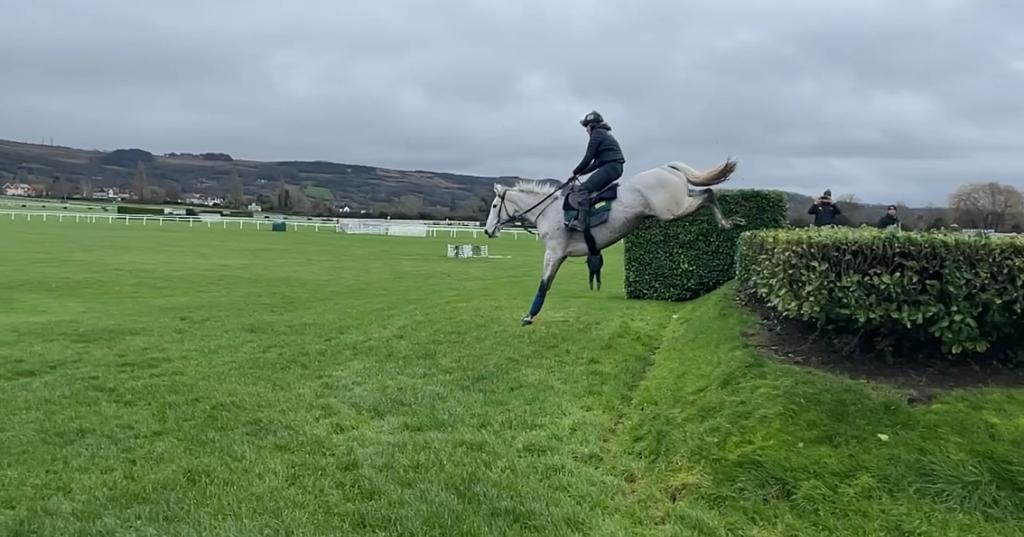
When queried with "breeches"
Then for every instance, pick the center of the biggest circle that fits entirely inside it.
(604, 176)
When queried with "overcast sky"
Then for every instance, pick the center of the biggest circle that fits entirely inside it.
(890, 100)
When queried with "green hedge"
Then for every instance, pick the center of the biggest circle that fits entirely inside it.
(952, 291)
(687, 258)
(129, 209)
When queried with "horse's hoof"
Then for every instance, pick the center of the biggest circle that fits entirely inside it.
(527, 321)
(737, 221)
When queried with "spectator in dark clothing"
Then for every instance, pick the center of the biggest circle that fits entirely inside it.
(889, 219)
(825, 210)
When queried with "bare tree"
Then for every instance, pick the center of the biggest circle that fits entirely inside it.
(848, 198)
(986, 205)
(139, 184)
(283, 197)
(237, 199)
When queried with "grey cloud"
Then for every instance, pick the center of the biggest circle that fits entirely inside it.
(889, 100)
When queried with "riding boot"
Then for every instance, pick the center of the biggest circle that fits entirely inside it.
(595, 261)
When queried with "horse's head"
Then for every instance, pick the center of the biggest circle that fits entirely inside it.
(498, 213)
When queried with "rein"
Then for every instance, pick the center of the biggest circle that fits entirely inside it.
(521, 217)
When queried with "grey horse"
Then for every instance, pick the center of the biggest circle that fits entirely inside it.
(663, 192)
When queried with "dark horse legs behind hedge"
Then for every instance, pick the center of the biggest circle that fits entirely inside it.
(662, 192)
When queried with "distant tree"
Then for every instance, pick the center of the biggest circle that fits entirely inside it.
(848, 198)
(265, 201)
(937, 223)
(86, 188)
(59, 187)
(139, 183)
(216, 156)
(126, 157)
(283, 197)
(298, 202)
(986, 205)
(155, 193)
(409, 205)
(237, 198)
(173, 191)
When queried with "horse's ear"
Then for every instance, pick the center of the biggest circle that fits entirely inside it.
(499, 188)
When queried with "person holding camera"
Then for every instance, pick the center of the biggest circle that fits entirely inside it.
(825, 210)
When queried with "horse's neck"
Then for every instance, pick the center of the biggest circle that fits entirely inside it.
(542, 213)
(527, 201)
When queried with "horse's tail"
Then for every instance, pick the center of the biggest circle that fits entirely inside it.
(711, 177)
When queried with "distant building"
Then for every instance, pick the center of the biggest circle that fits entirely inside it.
(255, 207)
(200, 199)
(17, 189)
(112, 194)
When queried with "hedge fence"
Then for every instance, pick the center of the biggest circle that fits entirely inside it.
(132, 209)
(959, 293)
(687, 258)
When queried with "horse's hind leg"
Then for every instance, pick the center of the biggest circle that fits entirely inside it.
(708, 198)
(552, 262)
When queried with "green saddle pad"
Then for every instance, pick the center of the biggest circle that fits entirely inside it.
(598, 215)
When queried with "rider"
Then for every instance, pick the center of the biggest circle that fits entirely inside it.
(603, 157)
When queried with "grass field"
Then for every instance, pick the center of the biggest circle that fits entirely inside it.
(177, 381)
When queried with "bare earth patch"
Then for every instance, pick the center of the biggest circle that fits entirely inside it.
(923, 377)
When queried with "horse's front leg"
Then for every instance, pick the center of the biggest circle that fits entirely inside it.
(552, 262)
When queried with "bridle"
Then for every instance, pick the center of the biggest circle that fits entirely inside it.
(521, 217)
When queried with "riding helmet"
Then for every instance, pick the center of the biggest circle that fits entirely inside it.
(593, 118)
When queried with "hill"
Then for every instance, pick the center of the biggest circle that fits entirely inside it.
(318, 184)
(314, 187)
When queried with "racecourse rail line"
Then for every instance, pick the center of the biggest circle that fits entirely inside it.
(401, 228)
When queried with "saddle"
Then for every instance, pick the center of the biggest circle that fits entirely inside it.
(599, 208)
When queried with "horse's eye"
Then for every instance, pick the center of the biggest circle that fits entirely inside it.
(495, 206)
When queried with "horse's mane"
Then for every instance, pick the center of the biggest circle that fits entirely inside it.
(535, 187)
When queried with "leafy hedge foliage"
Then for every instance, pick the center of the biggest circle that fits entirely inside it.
(687, 258)
(961, 293)
(128, 209)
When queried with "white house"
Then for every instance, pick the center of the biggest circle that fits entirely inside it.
(106, 194)
(255, 207)
(199, 199)
(17, 189)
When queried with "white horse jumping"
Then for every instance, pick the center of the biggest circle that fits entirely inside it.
(662, 192)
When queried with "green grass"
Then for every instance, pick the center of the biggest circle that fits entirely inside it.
(318, 192)
(207, 381)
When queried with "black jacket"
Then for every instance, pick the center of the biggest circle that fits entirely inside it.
(602, 149)
(825, 214)
(888, 220)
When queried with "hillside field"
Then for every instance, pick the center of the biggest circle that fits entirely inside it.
(167, 380)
